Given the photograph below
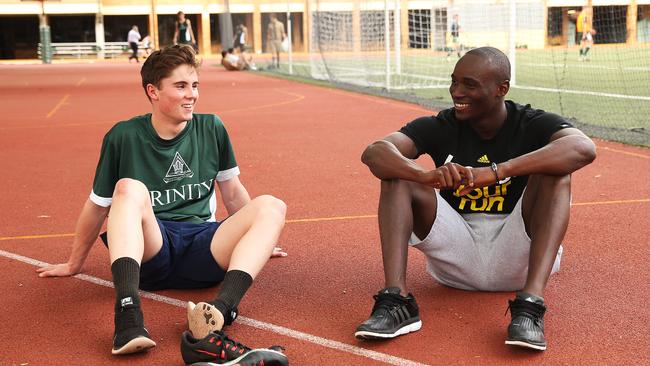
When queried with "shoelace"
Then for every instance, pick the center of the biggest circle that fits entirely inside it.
(128, 318)
(527, 309)
(231, 344)
(387, 302)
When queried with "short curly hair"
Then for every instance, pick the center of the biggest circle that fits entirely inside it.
(160, 64)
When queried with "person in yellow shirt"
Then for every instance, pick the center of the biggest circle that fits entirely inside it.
(585, 31)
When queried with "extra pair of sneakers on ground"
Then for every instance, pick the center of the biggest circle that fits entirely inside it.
(205, 344)
(394, 315)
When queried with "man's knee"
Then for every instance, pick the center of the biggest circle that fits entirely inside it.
(130, 189)
(271, 206)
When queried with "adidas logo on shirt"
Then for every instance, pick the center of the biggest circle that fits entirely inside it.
(484, 159)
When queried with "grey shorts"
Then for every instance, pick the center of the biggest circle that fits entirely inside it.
(482, 252)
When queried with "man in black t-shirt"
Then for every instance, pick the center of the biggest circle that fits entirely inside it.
(492, 215)
(155, 186)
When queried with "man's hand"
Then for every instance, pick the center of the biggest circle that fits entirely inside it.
(57, 270)
(449, 176)
(278, 252)
(482, 177)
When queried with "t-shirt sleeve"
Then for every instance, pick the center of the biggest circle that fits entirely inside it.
(105, 174)
(543, 125)
(421, 131)
(228, 168)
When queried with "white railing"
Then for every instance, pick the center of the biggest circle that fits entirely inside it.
(90, 49)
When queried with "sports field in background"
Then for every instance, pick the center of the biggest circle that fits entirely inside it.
(608, 95)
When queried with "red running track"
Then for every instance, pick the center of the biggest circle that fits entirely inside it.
(301, 143)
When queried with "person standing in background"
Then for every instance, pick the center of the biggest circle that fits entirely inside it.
(584, 32)
(183, 33)
(275, 35)
(241, 36)
(454, 32)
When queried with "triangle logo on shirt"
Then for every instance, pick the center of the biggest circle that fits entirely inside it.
(178, 170)
(484, 159)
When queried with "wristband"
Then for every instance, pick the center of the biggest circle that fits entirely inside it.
(495, 170)
(496, 173)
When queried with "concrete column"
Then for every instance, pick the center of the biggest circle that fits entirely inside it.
(404, 23)
(153, 24)
(356, 26)
(257, 24)
(306, 20)
(99, 33)
(204, 32)
(632, 12)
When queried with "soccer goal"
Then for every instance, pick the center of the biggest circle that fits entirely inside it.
(589, 63)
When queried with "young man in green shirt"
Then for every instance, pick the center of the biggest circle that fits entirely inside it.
(155, 182)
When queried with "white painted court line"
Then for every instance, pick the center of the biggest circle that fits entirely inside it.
(319, 341)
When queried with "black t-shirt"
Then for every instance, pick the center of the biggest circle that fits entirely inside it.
(525, 130)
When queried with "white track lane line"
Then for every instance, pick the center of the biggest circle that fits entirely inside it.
(323, 342)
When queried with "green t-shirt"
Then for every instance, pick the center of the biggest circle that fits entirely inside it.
(179, 173)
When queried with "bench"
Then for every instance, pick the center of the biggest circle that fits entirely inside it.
(90, 50)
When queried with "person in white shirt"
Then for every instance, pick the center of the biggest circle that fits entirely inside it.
(237, 62)
(133, 38)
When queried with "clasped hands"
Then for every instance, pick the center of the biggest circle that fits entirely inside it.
(453, 176)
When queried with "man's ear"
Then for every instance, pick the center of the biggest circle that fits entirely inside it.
(503, 88)
(152, 92)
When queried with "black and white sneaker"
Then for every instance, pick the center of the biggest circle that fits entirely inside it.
(130, 334)
(526, 328)
(393, 315)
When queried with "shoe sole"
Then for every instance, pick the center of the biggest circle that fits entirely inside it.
(203, 318)
(526, 345)
(363, 334)
(135, 345)
(252, 358)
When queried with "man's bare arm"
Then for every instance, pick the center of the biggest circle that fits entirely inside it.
(568, 151)
(87, 229)
(234, 194)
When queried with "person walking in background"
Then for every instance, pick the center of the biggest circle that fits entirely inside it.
(241, 35)
(275, 35)
(133, 38)
(183, 33)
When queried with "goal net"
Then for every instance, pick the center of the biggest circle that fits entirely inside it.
(408, 49)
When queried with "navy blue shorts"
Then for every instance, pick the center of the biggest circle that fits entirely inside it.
(184, 261)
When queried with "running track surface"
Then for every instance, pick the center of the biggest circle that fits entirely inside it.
(302, 144)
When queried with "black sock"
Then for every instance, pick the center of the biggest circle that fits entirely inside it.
(235, 285)
(581, 51)
(587, 50)
(126, 278)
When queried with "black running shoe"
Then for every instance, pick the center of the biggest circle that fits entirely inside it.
(130, 334)
(526, 328)
(392, 315)
(217, 349)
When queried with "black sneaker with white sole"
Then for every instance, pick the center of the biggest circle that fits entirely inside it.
(393, 315)
(130, 334)
(526, 328)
